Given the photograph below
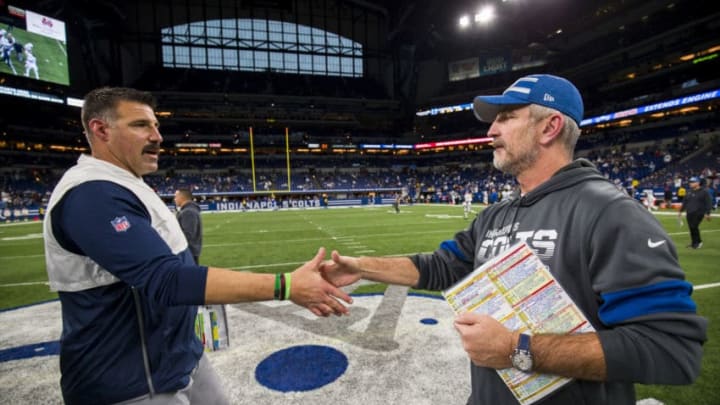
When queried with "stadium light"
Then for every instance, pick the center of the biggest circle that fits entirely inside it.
(464, 21)
(485, 15)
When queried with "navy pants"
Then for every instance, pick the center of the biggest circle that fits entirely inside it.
(693, 220)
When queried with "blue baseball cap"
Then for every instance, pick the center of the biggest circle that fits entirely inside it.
(546, 90)
(694, 179)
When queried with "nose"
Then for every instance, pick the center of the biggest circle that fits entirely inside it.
(155, 136)
(493, 131)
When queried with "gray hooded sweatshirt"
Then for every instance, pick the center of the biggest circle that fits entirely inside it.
(615, 261)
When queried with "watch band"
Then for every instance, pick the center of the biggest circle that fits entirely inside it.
(522, 358)
(524, 342)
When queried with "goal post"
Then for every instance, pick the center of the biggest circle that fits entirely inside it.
(287, 162)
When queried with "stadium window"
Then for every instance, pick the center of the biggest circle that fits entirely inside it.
(258, 45)
(276, 61)
(213, 31)
(246, 61)
(215, 59)
(168, 56)
(304, 37)
(318, 38)
(182, 56)
(333, 65)
(290, 38)
(261, 61)
(358, 71)
(306, 65)
(319, 63)
(346, 66)
(229, 29)
(333, 44)
(291, 62)
(230, 59)
(198, 56)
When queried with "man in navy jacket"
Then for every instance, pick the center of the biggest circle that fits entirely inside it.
(128, 285)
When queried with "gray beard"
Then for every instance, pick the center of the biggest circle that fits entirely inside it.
(517, 165)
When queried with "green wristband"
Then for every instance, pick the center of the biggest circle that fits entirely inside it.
(287, 286)
(277, 294)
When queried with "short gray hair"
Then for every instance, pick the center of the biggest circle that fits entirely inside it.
(570, 132)
(102, 103)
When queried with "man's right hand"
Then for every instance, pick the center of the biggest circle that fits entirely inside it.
(341, 270)
(309, 289)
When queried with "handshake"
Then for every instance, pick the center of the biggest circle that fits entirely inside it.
(317, 284)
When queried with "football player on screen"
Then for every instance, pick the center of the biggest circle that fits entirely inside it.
(30, 61)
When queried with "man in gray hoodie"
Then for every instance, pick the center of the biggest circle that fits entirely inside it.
(188, 216)
(612, 257)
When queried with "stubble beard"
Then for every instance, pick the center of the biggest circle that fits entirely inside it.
(518, 161)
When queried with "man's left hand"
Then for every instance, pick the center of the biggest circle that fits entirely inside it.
(487, 341)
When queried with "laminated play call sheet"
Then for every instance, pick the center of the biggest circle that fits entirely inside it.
(517, 289)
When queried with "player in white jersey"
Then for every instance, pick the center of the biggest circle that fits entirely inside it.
(30, 61)
(467, 204)
(650, 200)
(506, 193)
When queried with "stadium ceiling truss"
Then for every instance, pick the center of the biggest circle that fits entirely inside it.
(260, 45)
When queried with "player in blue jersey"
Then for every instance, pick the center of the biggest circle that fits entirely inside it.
(128, 285)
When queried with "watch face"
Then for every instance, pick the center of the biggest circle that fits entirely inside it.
(522, 361)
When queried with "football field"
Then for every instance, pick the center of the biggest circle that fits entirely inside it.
(389, 332)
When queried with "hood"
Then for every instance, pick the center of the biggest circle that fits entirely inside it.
(578, 171)
(191, 205)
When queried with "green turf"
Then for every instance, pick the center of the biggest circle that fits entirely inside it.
(282, 240)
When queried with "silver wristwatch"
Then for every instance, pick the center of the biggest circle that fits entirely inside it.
(521, 358)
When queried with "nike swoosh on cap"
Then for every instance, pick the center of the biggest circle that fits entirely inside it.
(653, 245)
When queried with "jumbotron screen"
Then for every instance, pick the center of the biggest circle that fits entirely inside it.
(33, 45)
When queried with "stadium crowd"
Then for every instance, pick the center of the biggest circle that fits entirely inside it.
(27, 180)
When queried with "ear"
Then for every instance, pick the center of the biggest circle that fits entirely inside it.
(99, 129)
(552, 127)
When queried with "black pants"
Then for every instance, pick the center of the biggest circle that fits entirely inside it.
(693, 220)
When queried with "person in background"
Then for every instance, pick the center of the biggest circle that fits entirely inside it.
(188, 215)
(611, 255)
(467, 203)
(493, 198)
(649, 199)
(698, 205)
(668, 194)
(127, 283)
(506, 193)
(681, 192)
(713, 193)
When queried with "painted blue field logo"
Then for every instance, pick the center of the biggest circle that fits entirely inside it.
(301, 368)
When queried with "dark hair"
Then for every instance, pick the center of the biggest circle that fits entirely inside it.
(186, 193)
(102, 102)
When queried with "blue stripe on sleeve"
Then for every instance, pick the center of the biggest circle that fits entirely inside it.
(452, 247)
(666, 296)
